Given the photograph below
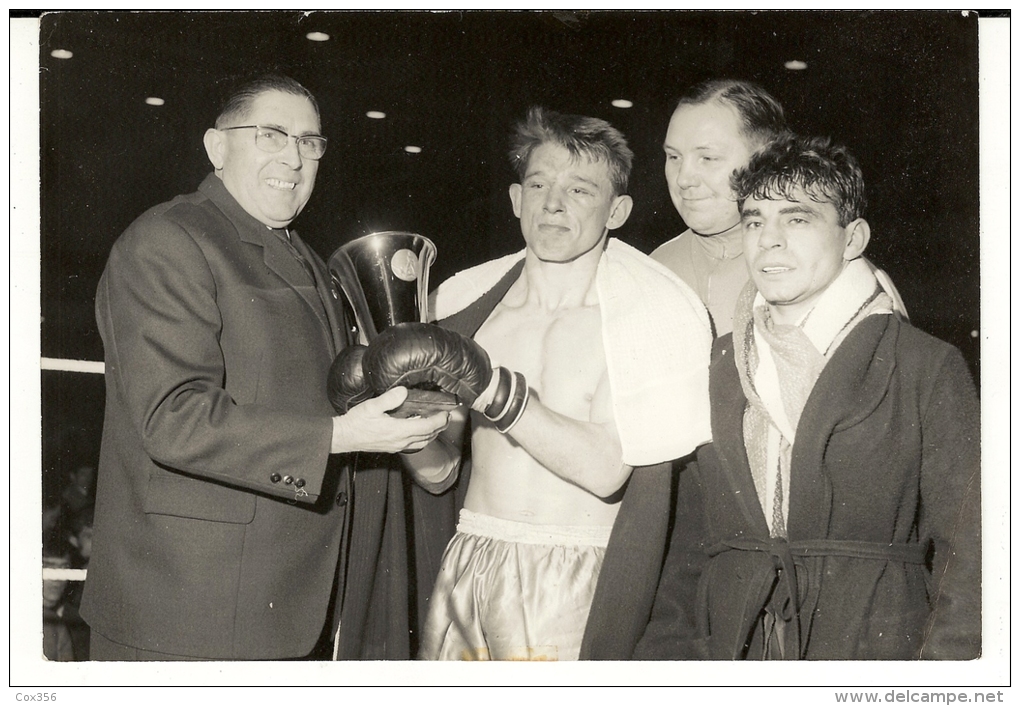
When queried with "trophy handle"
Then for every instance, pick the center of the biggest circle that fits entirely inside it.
(426, 258)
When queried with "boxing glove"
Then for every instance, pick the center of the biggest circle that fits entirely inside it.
(427, 357)
(346, 384)
(440, 368)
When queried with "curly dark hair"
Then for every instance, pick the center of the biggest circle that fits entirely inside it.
(824, 170)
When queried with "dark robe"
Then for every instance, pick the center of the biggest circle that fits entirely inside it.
(883, 558)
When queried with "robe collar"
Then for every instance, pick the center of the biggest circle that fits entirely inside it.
(850, 387)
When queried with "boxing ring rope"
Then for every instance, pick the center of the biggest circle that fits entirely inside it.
(52, 574)
(73, 366)
(69, 366)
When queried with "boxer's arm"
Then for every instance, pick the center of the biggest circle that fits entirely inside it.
(436, 466)
(587, 453)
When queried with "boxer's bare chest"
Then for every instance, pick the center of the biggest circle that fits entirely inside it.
(559, 352)
(561, 355)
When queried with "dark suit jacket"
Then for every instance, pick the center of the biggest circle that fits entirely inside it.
(220, 514)
(884, 553)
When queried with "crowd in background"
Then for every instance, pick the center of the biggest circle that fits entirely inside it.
(68, 502)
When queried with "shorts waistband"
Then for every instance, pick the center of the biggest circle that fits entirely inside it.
(526, 533)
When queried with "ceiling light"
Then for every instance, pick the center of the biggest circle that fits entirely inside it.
(153, 100)
(795, 65)
(61, 54)
(317, 36)
(412, 149)
(622, 103)
(376, 114)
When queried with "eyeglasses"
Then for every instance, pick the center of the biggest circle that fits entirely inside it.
(271, 139)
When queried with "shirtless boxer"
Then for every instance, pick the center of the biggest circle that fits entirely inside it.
(552, 446)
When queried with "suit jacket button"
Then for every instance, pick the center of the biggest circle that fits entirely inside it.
(300, 482)
(275, 477)
(341, 498)
(288, 479)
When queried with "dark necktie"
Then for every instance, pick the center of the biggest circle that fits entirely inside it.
(284, 235)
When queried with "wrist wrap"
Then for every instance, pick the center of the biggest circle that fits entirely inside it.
(509, 402)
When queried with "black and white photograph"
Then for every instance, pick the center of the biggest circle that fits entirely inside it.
(667, 344)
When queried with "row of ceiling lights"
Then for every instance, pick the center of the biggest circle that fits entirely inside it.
(622, 103)
(323, 37)
(792, 65)
(313, 36)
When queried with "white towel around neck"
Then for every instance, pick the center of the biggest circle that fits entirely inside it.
(657, 340)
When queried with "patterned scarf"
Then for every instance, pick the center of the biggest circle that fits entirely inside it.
(798, 363)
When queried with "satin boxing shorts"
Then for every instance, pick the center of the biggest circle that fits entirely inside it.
(513, 591)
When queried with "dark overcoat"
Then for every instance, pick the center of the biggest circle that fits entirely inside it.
(883, 559)
(223, 524)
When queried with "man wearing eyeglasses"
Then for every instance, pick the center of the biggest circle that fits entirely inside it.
(224, 513)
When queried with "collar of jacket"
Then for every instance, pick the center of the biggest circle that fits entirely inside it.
(852, 384)
(278, 258)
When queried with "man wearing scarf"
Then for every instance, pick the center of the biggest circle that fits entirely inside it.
(836, 514)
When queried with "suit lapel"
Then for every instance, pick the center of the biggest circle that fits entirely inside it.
(280, 260)
(277, 256)
(335, 320)
(852, 384)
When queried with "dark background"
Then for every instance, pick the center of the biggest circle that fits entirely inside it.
(899, 88)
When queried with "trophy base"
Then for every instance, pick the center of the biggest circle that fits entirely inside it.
(422, 403)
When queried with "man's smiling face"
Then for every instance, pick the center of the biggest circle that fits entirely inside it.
(271, 187)
(566, 204)
(704, 144)
(795, 250)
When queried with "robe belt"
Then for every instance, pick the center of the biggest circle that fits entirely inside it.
(784, 574)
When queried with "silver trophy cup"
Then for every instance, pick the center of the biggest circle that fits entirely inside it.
(385, 278)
